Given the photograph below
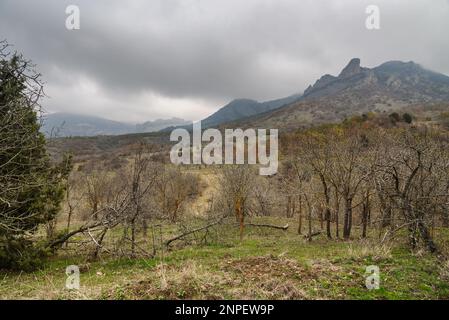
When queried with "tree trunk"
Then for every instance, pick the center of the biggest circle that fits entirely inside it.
(327, 211)
(413, 241)
(300, 216)
(292, 214)
(428, 241)
(328, 223)
(365, 215)
(337, 215)
(321, 219)
(310, 223)
(347, 218)
(240, 216)
(69, 221)
(242, 225)
(98, 247)
(364, 220)
(133, 237)
(413, 226)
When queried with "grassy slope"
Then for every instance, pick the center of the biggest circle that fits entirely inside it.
(268, 264)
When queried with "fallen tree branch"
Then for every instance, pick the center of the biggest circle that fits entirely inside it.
(109, 222)
(185, 234)
(284, 228)
(63, 238)
(314, 234)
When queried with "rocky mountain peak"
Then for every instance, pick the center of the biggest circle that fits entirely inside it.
(351, 69)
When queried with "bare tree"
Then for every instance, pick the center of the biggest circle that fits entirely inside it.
(141, 180)
(173, 189)
(351, 166)
(237, 182)
(96, 184)
(297, 178)
(317, 153)
(409, 175)
(263, 198)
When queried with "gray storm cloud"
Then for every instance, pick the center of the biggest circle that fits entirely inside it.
(140, 60)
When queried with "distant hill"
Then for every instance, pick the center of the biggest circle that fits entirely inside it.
(73, 125)
(160, 124)
(356, 90)
(242, 108)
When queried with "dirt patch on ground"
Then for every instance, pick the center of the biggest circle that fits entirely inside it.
(268, 277)
(264, 277)
(273, 277)
(253, 268)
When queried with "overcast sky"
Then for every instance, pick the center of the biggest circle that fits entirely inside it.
(140, 60)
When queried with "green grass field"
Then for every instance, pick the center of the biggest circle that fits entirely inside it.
(267, 264)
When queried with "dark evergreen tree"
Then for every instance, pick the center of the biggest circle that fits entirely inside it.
(31, 188)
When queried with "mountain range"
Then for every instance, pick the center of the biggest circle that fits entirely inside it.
(356, 90)
(393, 85)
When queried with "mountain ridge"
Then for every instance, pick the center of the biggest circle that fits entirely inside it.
(390, 86)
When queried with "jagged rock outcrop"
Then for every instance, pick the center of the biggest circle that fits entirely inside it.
(351, 69)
